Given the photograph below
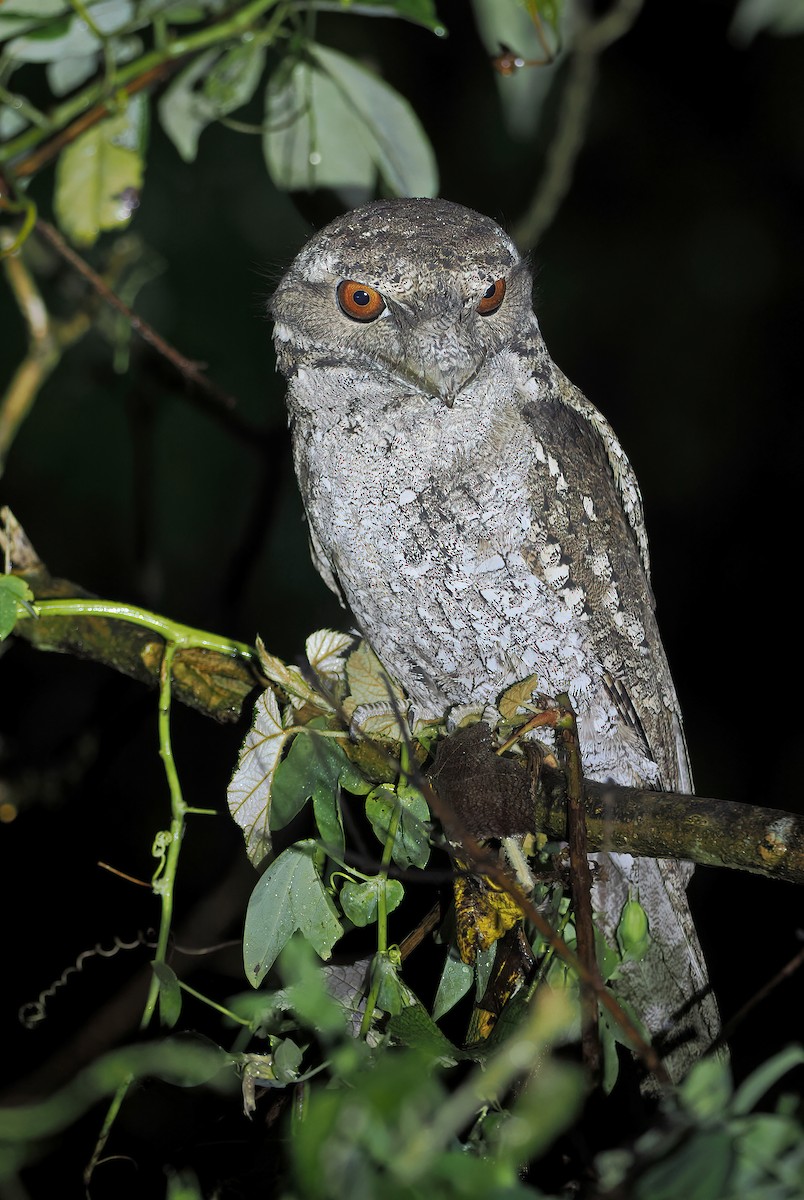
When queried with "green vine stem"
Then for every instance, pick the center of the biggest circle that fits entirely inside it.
(225, 1012)
(167, 845)
(180, 636)
(382, 918)
(25, 206)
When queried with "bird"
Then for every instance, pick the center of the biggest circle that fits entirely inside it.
(480, 519)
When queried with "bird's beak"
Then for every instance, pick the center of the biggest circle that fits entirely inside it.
(449, 362)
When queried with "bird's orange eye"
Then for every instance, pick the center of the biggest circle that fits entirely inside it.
(492, 298)
(359, 301)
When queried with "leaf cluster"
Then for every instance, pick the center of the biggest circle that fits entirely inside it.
(324, 119)
(334, 735)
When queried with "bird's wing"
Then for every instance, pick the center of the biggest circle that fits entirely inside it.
(623, 473)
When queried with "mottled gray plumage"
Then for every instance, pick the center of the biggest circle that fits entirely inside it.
(480, 519)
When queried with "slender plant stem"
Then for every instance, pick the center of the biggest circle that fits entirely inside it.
(581, 878)
(382, 899)
(382, 918)
(162, 885)
(115, 1105)
(190, 370)
(182, 637)
(167, 845)
(23, 106)
(593, 37)
(226, 1012)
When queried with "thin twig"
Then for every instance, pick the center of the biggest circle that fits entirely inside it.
(591, 40)
(790, 968)
(43, 354)
(581, 878)
(186, 367)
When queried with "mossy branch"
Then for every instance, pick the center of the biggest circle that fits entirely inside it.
(716, 833)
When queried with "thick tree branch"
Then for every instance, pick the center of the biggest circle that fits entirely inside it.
(717, 833)
(501, 797)
(491, 795)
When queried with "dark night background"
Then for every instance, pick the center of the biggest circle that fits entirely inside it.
(669, 288)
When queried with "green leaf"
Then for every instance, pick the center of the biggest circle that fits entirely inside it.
(633, 1016)
(769, 1147)
(177, 13)
(633, 935)
(392, 995)
(287, 1058)
(233, 80)
(64, 74)
(484, 963)
(249, 793)
(213, 85)
(414, 1027)
(548, 11)
(312, 138)
(547, 1106)
(751, 1090)
(608, 1046)
(698, 1169)
(182, 1185)
(182, 14)
(330, 123)
(522, 95)
(11, 26)
(327, 813)
(11, 122)
(456, 1173)
(396, 139)
(411, 846)
(95, 173)
(70, 37)
(456, 980)
(314, 767)
(184, 112)
(42, 43)
(707, 1089)
(35, 8)
(307, 992)
(360, 901)
(780, 17)
(14, 594)
(290, 896)
(418, 12)
(169, 994)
